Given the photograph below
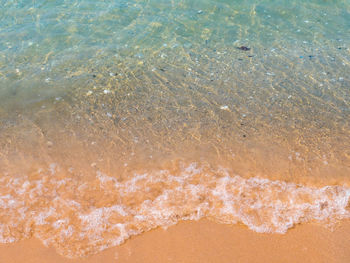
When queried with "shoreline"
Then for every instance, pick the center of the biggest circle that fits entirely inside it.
(206, 241)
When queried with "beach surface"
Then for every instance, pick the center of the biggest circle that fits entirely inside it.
(205, 241)
(121, 118)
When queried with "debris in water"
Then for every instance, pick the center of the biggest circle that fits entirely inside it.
(244, 48)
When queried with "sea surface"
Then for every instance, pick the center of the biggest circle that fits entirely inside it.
(117, 117)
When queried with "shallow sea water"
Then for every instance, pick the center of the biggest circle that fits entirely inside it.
(117, 117)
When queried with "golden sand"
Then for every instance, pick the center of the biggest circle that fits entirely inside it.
(205, 241)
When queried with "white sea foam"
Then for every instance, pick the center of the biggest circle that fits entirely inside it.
(82, 217)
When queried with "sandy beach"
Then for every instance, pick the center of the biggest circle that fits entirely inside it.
(226, 122)
(205, 241)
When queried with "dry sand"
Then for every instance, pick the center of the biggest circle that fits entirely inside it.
(205, 241)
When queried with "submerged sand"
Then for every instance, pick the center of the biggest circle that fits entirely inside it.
(205, 241)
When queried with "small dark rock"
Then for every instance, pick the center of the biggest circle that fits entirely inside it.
(94, 76)
(244, 48)
(244, 135)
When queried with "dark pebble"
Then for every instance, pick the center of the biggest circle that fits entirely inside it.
(94, 76)
(244, 48)
(244, 135)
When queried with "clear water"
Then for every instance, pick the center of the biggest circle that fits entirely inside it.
(124, 109)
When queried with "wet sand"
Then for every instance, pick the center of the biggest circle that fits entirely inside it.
(205, 241)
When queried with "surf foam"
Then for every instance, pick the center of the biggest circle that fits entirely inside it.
(80, 216)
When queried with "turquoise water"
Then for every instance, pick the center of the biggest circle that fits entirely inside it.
(46, 40)
(174, 68)
(209, 96)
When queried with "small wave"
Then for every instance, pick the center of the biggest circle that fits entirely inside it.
(80, 216)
